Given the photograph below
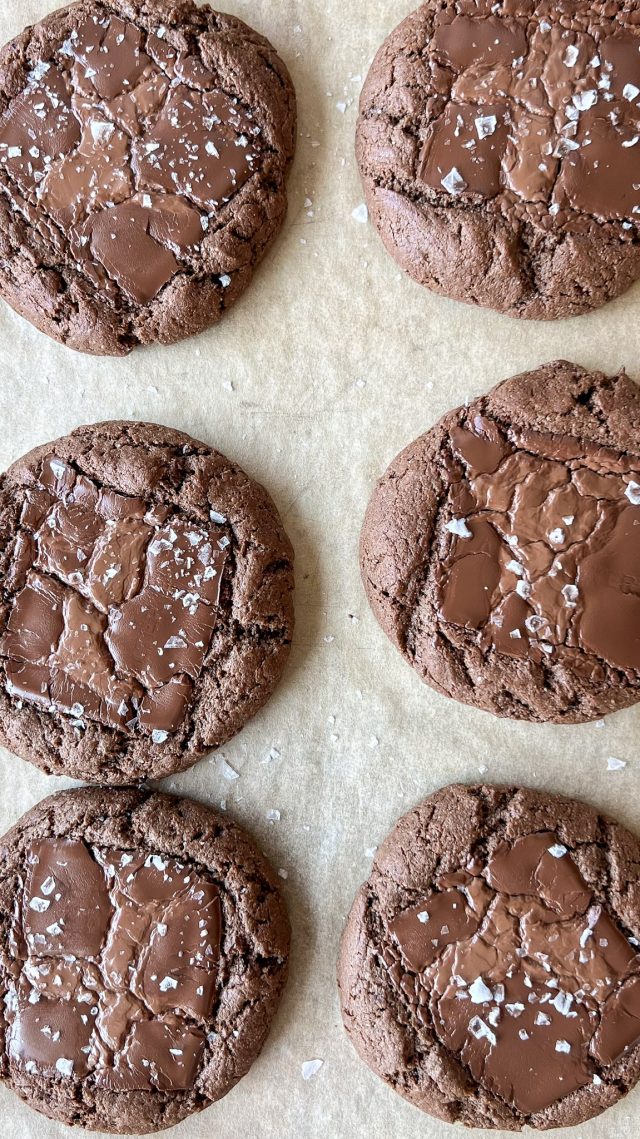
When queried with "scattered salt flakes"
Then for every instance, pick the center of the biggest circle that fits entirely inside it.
(633, 493)
(361, 214)
(516, 1009)
(328, 640)
(212, 149)
(558, 850)
(563, 1046)
(310, 1068)
(631, 92)
(523, 1034)
(218, 518)
(101, 131)
(459, 527)
(226, 770)
(271, 755)
(557, 536)
(570, 594)
(614, 764)
(453, 182)
(228, 386)
(515, 567)
(370, 852)
(423, 917)
(225, 280)
(40, 905)
(479, 992)
(571, 56)
(64, 1067)
(597, 1081)
(48, 886)
(284, 874)
(374, 742)
(158, 736)
(341, 107)
(569, 519)
(486, 125)
(515, 635)
(479, 1029)
(483, 769)
(14, 152)
(542, 1018)
(168, 983)
(523, 589)
(585, 100)
(272, 816)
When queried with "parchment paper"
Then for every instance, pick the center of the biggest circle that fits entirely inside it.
(332, 362)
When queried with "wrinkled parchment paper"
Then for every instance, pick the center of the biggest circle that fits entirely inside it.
(330, 364)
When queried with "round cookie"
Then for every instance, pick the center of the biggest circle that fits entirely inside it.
(497, 144)
(489, 969)
(144, 952)
(500, 551)
(144, 146)
(147, 602)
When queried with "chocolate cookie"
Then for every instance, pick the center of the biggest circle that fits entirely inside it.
(498, 147)
(500, 551)
(144, 146)
(489, 969)
(143, 953)
(146, 606)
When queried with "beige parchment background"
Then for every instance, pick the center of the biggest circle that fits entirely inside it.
(331, 363)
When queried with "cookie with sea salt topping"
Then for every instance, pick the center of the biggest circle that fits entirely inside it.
(144, 951)
(501, 550)
(147, 605)
(489, 971)
(498, 148)
(144, 148)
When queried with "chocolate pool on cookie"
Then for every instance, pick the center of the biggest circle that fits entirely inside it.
(489, 970)
(147, 602)
(501, 550)
(498, 147)
(143, 154)
(144, 950)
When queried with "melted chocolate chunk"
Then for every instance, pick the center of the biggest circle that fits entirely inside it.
(543, 549)
(116, 605)
(115, 967)
(545, 113)
(130, 148)
(522, 973)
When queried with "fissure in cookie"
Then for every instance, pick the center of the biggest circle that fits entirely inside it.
(114, 604)
(521, 972)
(129, 147)
(113, 964)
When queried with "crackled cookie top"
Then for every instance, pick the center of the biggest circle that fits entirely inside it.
(147, 605)
(114, 959)
(489, 970)
(144, 149)
(500, 551)
(520, 972)
(143, 952)
(498, 147)
(544, 547)
(128, 147)
(115, 604)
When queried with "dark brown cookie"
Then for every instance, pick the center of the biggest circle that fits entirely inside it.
(144, 951)
(500, 551)
(489, 969)
(144, 146)
(498, 147)
(147, 605)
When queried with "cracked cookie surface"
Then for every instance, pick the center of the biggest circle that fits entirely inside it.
(143, 155)
(147, 605)
(144, 952)
(500, 550)
(498, 148)
(489, 970)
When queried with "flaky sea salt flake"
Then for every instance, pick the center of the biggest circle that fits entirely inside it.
(453, 182)
(310, 1068)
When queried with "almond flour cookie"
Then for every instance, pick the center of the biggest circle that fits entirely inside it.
(143, 154)
(501, 550)
(147, 603)
(144, 951)
(498, 147)
(489, 970)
